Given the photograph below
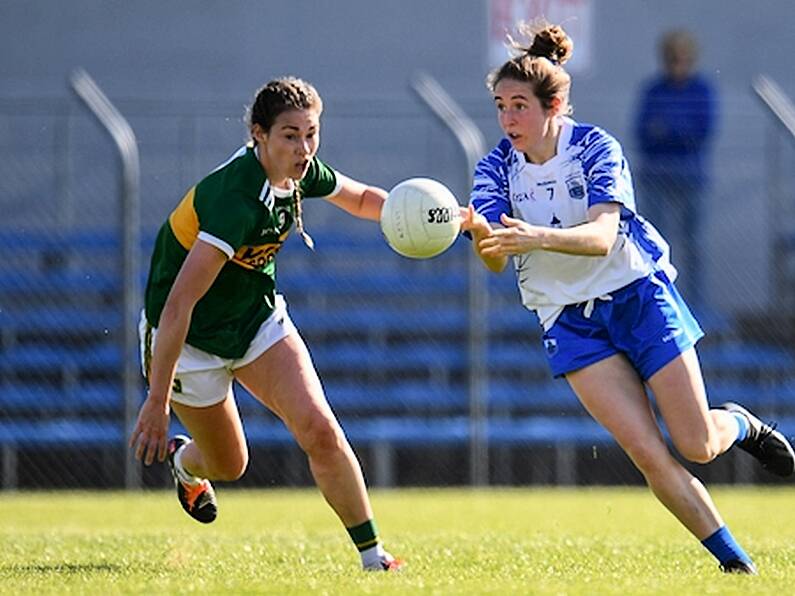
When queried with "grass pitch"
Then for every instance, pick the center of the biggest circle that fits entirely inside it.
(499, 541)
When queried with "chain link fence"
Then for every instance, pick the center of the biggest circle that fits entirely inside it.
(389, 335)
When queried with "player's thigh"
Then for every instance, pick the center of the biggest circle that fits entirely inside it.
(681, 398)
(284, 379)
(613, 393)
(217, 432)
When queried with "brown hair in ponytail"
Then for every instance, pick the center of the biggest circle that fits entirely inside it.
(538, 62)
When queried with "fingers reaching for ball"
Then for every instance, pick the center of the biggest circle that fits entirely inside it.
(472, 221)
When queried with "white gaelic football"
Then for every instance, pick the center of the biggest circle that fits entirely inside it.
(420, 218)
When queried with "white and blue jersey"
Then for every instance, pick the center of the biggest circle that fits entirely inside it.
(590, 307)
(588, 168)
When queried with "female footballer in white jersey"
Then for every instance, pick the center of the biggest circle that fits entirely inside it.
(212, 315)
(556, 196)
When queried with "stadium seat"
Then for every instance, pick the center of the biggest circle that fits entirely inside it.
(365, 357)
(98, 358)
(745, 360)
(390, 338)
(35, 434)
(507, 395)
(96, 398)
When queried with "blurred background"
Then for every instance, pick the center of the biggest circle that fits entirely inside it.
(435, 370)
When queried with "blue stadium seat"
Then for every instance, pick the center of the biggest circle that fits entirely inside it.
(58, 283)
(408, 431)
(378, 282)
(378, 319)
(61, 432)
(517, 320)
(60, 320)
(544, 396)
(32, 240)
(523, 357)
(350, 283)
(97, 357)
(365, 357)
(547, 430)
(90, 398)
(79, 240)
(737, 358)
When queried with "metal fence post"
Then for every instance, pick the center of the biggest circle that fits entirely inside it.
(470, 139)
(780, 212)
(124, 138)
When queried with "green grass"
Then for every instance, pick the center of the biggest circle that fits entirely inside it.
(580, 541)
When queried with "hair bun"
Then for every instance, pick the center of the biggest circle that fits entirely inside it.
(549, 41)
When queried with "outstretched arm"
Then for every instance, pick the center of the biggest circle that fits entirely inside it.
(594, 238)
(359, 199)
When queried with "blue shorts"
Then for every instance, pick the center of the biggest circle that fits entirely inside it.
(647, 321)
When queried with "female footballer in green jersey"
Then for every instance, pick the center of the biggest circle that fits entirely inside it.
(212, 315)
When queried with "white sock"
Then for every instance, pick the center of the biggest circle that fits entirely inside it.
(373, 556)
(184, 476)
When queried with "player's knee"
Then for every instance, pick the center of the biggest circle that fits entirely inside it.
(649, 457)
(698, 445)
(698, 450)
(321, 436)
(232, 468)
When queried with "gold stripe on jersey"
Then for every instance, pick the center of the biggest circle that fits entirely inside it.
(184, 221)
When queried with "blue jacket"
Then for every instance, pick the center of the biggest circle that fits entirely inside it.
(674, 125)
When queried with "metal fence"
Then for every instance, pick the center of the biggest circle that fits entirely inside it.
(391, 337)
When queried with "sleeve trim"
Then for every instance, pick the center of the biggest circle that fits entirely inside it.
(337, 185)
(221, 245)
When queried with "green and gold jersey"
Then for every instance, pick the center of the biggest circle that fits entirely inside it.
(235, 209)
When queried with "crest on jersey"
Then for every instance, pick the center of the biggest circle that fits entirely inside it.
(551, 345)
(576, 186)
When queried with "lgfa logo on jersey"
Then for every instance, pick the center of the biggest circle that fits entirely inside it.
(521, 197)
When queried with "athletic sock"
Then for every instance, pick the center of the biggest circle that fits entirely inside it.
(365, 537)
(743, 426)
(724, 547)
(184, 476)
(373, 556)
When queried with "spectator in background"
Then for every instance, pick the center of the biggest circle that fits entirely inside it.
(674, 124)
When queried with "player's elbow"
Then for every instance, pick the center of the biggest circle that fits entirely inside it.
(604, 241)
(177, 308)
(603, 247)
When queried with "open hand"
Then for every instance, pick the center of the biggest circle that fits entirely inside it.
(149, 436)
(515, 238)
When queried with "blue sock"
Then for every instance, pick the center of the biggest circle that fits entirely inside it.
(743, 426)
(724, 547)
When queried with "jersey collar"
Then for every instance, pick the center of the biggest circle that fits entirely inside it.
(268, 191)
(564, 138)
